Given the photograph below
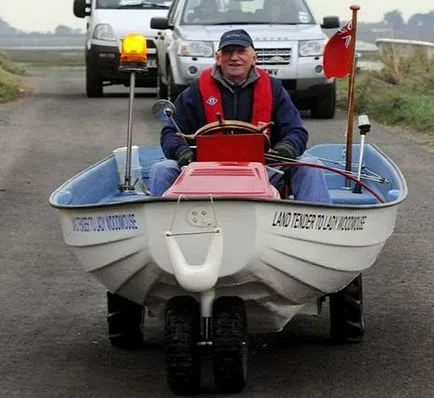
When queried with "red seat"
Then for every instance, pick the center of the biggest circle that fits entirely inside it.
(234, 147)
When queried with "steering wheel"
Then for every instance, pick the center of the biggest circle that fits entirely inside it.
(230, 127)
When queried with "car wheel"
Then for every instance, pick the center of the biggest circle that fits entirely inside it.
(94, 88)
(172, 89)
(324, 106)
(161, 88)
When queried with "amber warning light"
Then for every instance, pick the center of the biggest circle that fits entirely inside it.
(134, 49)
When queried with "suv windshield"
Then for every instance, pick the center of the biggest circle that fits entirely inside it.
(219, 12)
(133, 4)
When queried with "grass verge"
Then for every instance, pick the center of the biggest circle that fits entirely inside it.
(10, 86)
(14, 63)
(52, 58)
(401, 94)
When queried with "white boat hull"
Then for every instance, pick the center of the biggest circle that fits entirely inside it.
(280, 257)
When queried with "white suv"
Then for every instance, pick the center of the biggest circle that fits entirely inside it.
(108, 21)
(288, 41)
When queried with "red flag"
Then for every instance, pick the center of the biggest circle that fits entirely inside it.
(337, 61)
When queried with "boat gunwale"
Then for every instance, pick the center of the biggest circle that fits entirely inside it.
(225, 198)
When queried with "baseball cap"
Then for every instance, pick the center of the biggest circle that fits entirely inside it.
(236, 37)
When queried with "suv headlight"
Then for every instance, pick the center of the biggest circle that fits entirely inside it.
(195, 49)
(105, 32)
(311, 48)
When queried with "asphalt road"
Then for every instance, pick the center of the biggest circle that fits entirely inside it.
(53, 337)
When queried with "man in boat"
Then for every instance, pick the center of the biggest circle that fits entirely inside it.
(239, 90)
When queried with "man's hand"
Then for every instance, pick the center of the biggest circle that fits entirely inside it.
(285, 150)
(185, 157)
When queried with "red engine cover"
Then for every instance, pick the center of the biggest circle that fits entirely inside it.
(249, 179)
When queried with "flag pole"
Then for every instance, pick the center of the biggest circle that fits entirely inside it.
(351, 88)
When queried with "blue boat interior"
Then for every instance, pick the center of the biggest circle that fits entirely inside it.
(387, 180)
(99, 183)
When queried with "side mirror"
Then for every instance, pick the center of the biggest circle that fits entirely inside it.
(330, 23)
(159, 23)
(81, 9)
(163, 110)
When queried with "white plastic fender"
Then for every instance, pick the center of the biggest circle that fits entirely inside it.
(196, 278)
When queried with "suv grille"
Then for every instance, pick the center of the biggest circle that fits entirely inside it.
(273, 56)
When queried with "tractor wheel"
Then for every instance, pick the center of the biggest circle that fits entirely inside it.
(346, 313)
(124, 322)
(229, 344)
(182, 334)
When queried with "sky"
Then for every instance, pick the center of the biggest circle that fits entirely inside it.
(45, 15)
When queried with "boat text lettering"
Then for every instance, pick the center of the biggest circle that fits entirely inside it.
(319, 222)
(106, 223)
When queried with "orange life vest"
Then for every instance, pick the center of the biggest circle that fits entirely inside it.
(212, 99)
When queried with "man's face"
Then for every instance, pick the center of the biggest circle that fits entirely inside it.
(235, 61)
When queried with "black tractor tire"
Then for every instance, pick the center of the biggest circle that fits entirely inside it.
(94, 86)
(346, 313)
(324, 106)
(229, 344)
(182, 334)
(124, 320)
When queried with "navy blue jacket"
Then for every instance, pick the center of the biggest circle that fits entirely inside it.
(237, 105)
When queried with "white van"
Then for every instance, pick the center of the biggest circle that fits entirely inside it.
(108, 21)
(288, 40)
